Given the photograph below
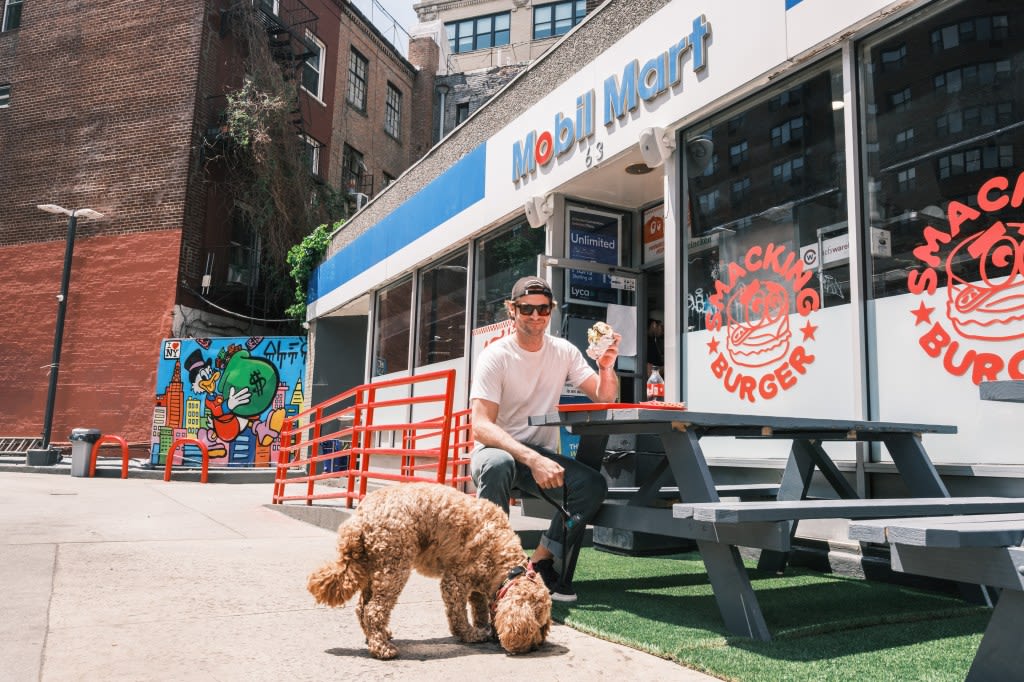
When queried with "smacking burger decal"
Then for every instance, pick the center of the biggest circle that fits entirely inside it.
(752, 307)
(984, 276)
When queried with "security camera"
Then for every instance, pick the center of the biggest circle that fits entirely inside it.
(656, 146)
(699, 153)
(538, 210)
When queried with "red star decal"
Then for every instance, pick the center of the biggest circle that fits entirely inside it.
(712, 346)
(922, 314)
(808, 331)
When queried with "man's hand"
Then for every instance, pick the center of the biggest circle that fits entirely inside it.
(607, 360)
(547, 472)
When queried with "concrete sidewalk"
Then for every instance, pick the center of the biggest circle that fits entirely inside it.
(138, 579)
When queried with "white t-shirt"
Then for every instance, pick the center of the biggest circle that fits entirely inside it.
(525, 383)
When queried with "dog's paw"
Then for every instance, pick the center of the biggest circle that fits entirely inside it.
(384, 651)
(474, 635)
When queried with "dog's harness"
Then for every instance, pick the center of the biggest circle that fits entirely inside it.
(513, 574)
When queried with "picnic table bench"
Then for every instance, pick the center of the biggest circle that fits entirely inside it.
(681, 431)
(670, 492)
(982, 549)
(860, 508)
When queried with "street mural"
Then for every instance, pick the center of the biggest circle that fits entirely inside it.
(232, 394)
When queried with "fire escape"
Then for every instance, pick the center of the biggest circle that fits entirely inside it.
(289, 26)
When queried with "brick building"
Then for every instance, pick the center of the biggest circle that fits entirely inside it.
(112, 106)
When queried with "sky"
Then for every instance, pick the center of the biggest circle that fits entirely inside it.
(402, 12)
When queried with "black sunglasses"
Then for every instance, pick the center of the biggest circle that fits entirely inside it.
(544, 309)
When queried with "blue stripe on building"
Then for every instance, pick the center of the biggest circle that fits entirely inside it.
(446, 196)
(790, 4)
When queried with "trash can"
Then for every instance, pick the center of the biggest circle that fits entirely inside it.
(82, 441)
(338, 463)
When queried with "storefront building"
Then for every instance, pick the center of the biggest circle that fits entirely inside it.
(823, 199)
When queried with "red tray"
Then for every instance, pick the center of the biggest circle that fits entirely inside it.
(591, 407)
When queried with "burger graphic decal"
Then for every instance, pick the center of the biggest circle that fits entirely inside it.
(979, 255)
(991, 305)
(757, 329)
(753, 350)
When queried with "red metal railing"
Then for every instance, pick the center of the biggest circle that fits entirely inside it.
(374, 420)
(458, 462)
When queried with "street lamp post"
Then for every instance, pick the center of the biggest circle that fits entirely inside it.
(47, 454)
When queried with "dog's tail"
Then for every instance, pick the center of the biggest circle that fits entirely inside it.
(335, 583)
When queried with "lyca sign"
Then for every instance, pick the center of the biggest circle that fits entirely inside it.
(622, 95)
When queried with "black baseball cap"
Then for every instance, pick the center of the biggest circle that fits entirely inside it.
(525, 286)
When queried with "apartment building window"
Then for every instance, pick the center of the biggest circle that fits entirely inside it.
(5, 96)
(557, 18)
(739, 153)
(905, 139)
(313, 69)
(12, 14)
(983, 28)
(478, 33)
(461, 112)
(311, 152)
(270, 6)
(792, 131)
(393, 112)
(386, 180)
(357, 69)
(352, 169)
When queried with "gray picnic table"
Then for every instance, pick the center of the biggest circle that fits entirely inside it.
(718, 539)
(984, 549)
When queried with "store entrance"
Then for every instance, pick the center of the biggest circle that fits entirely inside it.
(619, 306)
(654, 346)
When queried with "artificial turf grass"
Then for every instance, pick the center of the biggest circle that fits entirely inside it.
(824, 627)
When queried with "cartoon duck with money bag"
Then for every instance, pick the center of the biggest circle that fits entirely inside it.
(245, 389)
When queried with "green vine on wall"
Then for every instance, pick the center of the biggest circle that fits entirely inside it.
(304, 257)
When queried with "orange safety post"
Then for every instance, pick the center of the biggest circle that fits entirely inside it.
(109, 438)
(182, 442)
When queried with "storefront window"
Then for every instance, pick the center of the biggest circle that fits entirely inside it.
(942, 116)
(441, 330)
(771, 174)
(391, 339)
(501, 259)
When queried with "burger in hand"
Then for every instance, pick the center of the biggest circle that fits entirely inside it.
(600, 336)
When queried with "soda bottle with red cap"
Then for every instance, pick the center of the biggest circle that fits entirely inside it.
(655, 386)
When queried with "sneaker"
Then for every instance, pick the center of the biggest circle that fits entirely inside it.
(545, 568)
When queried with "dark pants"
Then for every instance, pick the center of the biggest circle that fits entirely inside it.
(496, 474)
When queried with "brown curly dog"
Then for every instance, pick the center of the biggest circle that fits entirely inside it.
(466, 542)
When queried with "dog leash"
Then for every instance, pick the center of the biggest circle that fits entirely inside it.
(569, 521)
